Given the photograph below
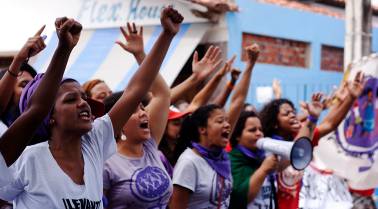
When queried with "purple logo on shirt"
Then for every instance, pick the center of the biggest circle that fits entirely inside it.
(151, 183)
(223, 186)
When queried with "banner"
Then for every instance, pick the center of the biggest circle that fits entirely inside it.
(114, 13)
(321, 189)
(351, 150)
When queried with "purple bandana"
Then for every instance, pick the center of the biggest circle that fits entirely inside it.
(278, 137)
(26, 94)
(259, 155)
(216, 158)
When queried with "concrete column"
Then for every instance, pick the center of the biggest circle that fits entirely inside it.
(358, 30)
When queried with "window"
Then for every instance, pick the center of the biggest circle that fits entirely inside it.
(278, 51)
(332, 58)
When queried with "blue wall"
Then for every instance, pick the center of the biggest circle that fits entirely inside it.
(276, 21)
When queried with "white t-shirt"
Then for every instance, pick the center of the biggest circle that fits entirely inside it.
(5, 177)
(3, 128)
(194, 173)
(5, 174)
(323, 190)
(262, 199)
(39, 182)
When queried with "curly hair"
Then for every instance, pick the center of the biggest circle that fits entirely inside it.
(269, 115)
(239, 127)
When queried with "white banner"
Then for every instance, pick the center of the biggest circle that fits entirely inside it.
(351, 151)
(114, 13)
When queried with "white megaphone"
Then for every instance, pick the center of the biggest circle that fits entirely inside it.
(298, 152)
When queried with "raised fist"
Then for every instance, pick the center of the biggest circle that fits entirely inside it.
(68, 31)
(170, 20)
(252, 52)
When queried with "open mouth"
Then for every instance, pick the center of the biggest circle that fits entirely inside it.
(295, 123)
(143, 125)
(225, 134)
(85, 115)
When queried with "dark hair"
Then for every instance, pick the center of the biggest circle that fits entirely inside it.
(28, 68)
(164, 145)
(269, 115)
(189, 128)
(24, 67)
(110, 100)
(239, 127)
(11, 112)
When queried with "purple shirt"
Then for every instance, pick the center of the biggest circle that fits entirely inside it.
(137, 182)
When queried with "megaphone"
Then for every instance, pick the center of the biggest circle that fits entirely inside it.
(299, 152)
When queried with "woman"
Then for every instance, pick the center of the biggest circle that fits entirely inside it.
(135, 176)
(202, 176)
(97, 89)
(252, 171)
(279, 121)
(66, 171)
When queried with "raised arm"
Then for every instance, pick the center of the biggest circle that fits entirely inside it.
(314, 109)
(158, 108)
(338, 112)
(148, 70)
(221, 99)
(16, 138)
(134, 41)
(201, 70)
(34, 45)
(241, 90)
(203, 96)
(277, 90)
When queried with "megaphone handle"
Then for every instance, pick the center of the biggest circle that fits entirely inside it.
(268, 153)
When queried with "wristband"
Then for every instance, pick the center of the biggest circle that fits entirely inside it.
(230, 85)
(312, 119)
(13, 74)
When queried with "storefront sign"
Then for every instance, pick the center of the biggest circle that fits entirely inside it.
(114, 13)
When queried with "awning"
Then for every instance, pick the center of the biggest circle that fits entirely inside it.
(97, 55)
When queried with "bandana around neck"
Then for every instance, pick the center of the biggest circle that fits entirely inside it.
(216, 158)
(281, 138)
(259, 155)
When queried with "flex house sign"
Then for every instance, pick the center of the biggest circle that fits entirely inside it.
(113, 13)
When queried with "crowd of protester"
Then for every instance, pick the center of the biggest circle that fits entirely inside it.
(66, 145)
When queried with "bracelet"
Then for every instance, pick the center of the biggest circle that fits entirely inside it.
(13, 74)
(312, 119)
